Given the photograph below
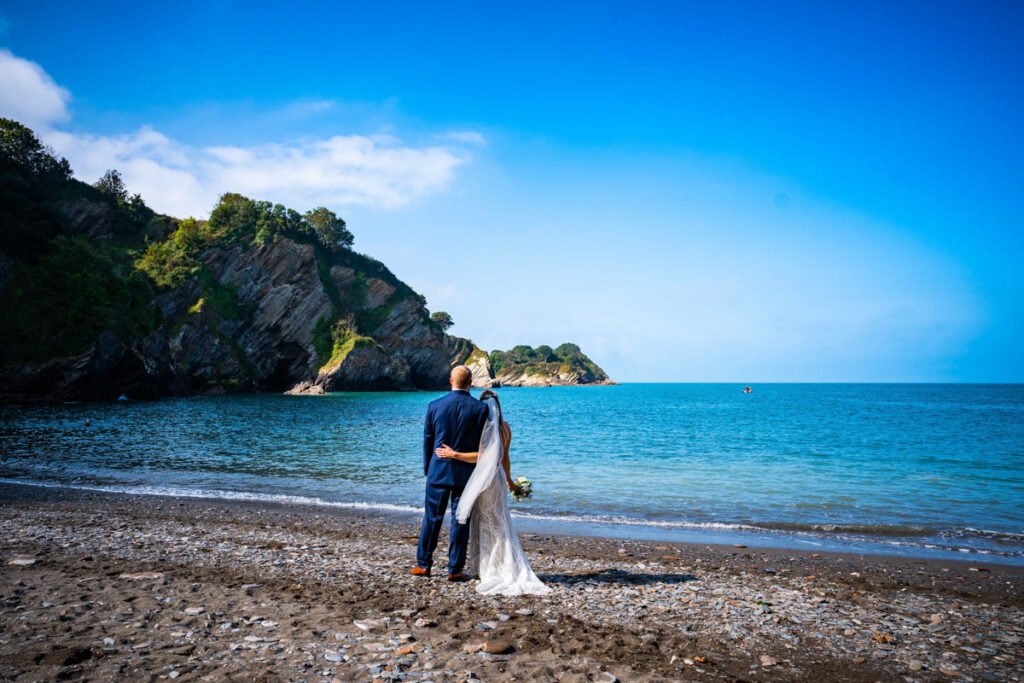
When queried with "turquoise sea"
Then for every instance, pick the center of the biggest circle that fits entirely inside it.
(926, 470)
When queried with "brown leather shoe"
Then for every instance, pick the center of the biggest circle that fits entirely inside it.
(458, 577)
(419, 571)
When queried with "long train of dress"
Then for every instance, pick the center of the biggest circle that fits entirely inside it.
(494, 546)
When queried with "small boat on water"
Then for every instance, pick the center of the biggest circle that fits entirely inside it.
(747, 390)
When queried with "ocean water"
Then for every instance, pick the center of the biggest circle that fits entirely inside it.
(922, 470)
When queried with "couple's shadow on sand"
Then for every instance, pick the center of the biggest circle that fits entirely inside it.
(616, 576)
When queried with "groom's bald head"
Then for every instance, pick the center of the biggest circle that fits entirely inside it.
(461, 377)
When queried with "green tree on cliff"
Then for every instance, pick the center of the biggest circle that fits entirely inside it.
(112, 185)
(233, 218)
(330, 230)
(442, 320)
(22, 153)
(133, 214)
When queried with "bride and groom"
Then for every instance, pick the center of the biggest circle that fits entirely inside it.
(466, 462)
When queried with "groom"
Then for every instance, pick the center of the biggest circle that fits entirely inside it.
(456, 419)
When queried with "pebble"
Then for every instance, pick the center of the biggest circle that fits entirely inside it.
(368, 625)
(497, 647)
(732, 602)
(174, 674)
(194, 611)
(22, 562)
(142, 576)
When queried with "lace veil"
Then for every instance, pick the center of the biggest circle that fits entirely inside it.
(487, 463)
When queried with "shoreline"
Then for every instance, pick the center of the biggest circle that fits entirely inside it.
(243, 589)
(722, 535)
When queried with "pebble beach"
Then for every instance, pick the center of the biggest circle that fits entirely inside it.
(101, 586)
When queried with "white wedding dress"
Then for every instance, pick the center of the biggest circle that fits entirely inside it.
(494, 546)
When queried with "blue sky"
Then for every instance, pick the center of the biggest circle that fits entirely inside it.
(742, 192)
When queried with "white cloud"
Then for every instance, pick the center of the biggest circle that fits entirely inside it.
(181, 179)
(343, 170)
(29, 95)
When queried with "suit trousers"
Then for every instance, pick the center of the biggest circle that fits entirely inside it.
(436, 502)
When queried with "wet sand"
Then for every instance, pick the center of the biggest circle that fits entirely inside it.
(105, 586)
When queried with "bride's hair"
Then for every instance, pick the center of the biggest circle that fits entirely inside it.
(492, 394)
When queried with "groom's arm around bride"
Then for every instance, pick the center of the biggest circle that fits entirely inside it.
(456, 419)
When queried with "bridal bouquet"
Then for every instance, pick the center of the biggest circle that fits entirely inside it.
(524, 489)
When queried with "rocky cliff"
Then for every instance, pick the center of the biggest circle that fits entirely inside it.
(250, 323)
(100, 297)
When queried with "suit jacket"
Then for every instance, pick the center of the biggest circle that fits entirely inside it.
(456, 419)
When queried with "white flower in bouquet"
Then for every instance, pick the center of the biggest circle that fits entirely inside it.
(524, 488)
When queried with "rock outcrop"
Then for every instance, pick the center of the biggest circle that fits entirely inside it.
(88, 218)
(250, 323)
(465, 352)
(566, 365)
(103, 372)
(253, 325)
(549, 378)
(257, 298)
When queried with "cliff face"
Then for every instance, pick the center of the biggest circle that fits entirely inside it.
(253, 326)
(101, 297)
(249, 323)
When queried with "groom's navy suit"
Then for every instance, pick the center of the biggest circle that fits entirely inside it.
(456, 419)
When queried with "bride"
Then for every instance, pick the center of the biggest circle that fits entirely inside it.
(494, 546)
